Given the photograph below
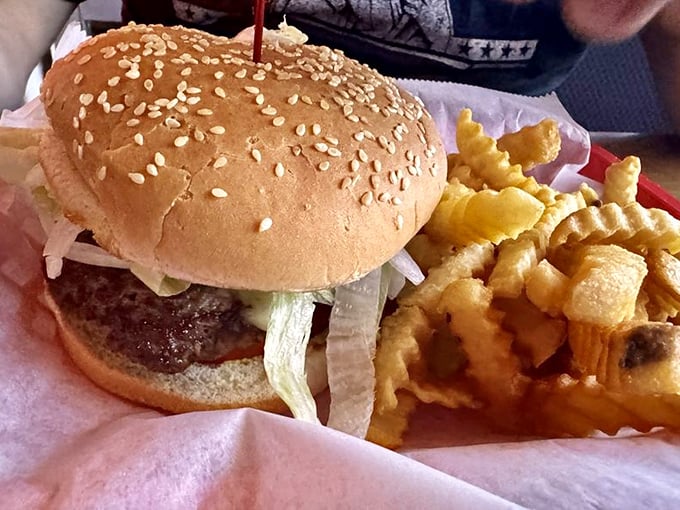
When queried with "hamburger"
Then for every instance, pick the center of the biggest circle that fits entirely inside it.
(201, 203)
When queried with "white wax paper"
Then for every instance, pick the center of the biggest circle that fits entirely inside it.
(66, 444)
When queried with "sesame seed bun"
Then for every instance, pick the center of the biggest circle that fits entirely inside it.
(231, 384)
(302, 172)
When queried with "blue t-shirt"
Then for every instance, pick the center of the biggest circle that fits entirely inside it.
(519, 48)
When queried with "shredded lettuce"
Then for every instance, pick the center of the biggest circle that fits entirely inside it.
(350, 349)
(285, 351)
(162, 284)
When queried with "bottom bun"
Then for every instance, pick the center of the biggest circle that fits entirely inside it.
(231, 384)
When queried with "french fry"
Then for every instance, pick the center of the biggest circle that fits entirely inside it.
(605, 287)
(466, 262)
(621, 181)
(632, 226)
(532, 145)
(491, 361)
(546, 287)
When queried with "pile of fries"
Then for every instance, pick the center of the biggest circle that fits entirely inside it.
(551, 313)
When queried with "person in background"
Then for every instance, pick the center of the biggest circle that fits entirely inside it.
(523, 46)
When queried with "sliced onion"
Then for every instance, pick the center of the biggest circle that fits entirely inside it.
(350, 349)
(285, 350)
(160, 283)
(95, 256)
(396, 283)
(404, 263)
(61, 237)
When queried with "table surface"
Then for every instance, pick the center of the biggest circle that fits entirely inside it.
(660, 156)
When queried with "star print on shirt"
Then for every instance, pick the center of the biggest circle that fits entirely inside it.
(486, 50)
(506, 51)
(189, 12)
(464, 49)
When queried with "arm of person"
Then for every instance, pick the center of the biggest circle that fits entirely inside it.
(661, 39)
(27, 28)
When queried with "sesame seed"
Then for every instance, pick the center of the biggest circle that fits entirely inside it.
(106, 106)
(117, 108)
(218, 193)
(113, 81)
(316, 129)
(346, 183)
(265, 225)
(251, 90)
(86, 99)
(76, 122)
(133, 122)
(279, 121)
(363, 157)
(79, 150)
(205, 112)
(155, 115)
(82, 113)
(193, 90)
(219, 92)
(292, 100)
(101, 173)
(220, 162)
(241, 74)
(193, 100)
(307, 100)
(300, 130)
(88, 137)
(359, 136)
(84, 59)
(333, 152)
(133, 74)
(374, 180)
(139, 110)
(324, 165)
(269, 110)
(152, 169)
(321, 147)
(324, 104)
(219, 75)
(279, 170)
(259, 99)
(217, 130)
(354, 165)
(199, 136)
(400, 222)
(384, 197)
(77, 78)
(181, 141)
(296, 149)
(347, 109)
(367, 198)
(172, 123)
(332, 140)
(259, 77)
(136, 177)
(139, 139)
(159, 159)
(405, 183)
(186, 71)
(256, 154)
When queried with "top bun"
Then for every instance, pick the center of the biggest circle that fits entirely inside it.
(180, 153)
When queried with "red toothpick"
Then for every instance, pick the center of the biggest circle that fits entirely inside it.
(259, 28)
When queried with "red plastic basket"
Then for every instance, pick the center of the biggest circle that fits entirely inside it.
(650, 194)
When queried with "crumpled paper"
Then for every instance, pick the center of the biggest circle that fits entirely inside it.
(64, 443)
